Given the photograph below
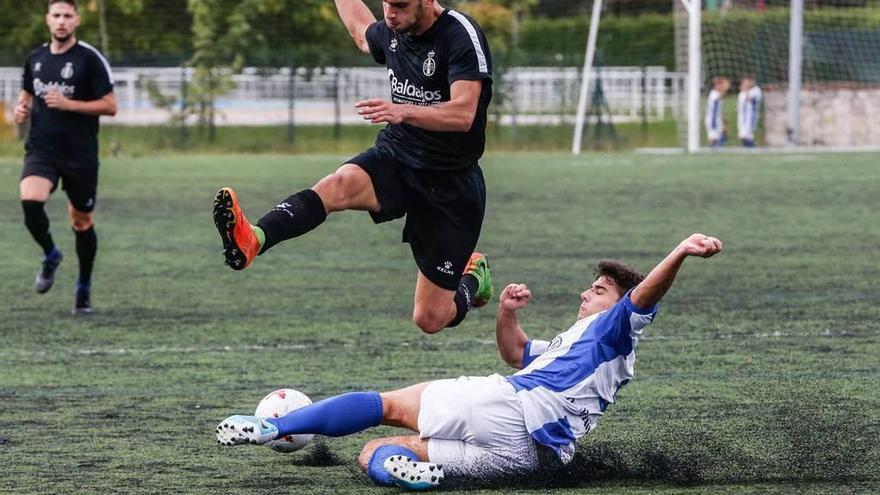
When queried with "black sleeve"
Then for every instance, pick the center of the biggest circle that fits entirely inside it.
(27, 79)
(468, 57)
(100, 77)
(377, 38)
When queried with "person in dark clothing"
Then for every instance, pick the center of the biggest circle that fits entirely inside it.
(424, 163)
(67, 84)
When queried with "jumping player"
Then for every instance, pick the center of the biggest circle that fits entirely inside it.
(423, 164)
(495, 428)
(66, 85)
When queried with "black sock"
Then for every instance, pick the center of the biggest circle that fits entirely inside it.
(86, 247)
(293, 217)
(464, 298)
(37, 223)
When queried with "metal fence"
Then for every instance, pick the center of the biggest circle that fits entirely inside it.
(533, 95)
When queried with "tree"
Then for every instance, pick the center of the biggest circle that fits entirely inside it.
(500, 20)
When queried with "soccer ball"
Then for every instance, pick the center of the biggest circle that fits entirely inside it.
(277, 404)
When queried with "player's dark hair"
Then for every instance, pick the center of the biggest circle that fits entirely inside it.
(72, 3)
(625, 276)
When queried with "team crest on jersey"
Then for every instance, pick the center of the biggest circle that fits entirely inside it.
(393, 45)
(67, 71)
(38, 66)
(430, 66)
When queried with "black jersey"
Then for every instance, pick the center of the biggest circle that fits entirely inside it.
(421, 70)
(80, 73)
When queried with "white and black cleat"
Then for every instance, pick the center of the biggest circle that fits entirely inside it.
(413, 475)
(243, 430)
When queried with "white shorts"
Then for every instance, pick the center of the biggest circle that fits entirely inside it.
(746, 133)
(475, 428)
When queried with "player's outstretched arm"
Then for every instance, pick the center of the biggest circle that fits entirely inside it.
(357, 17)
(652, 289)
(511, 338)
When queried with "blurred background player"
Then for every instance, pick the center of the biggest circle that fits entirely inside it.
(66, 85)
(423, 164)
(716, 133)
(495, 428)
(748, 109)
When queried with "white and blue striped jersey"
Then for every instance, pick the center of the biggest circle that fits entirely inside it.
(714, 115)
(748, 109)
(566, 384)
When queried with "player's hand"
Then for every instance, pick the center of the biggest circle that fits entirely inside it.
(380, 111)
(701, 245)
(55, 99)
(21, 113)
(515, 296)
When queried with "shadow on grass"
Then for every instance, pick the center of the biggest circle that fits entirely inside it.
(318, 456)
(808, 448)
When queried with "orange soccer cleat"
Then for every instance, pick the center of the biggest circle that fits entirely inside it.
(240, 244)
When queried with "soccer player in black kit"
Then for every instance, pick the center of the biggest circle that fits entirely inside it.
(423, 164)
(66, 85)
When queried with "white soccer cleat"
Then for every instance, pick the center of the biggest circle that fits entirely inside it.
(413, 475)
(241, 430)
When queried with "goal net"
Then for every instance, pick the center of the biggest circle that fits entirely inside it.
(762, 44)
(768, 73)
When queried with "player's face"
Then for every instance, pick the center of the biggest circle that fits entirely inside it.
(62, 20)
(601, 295)
(403, 16)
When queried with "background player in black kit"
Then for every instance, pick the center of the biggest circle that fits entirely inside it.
(66, 85)
(423, 165)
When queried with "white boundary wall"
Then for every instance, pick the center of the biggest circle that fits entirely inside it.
(533, 95)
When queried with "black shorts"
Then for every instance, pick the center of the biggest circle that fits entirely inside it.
(78, 179)
(444, 211)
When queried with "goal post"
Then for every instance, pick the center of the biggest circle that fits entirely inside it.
(694, 16)
(795, 65)
(816, 62)
(809, 70)
(589, 54)
(694, 76)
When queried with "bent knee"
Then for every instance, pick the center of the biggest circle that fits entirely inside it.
(344, 188)
(81, 222)
(367, 453)
(429, 321)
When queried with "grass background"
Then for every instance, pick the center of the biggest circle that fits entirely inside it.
(761, 373)
(148, 141)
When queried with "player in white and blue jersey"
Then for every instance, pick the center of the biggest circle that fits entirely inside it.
(716, 133)
(492, 428)
(748, 109)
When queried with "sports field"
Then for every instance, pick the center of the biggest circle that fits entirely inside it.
(761, 373)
